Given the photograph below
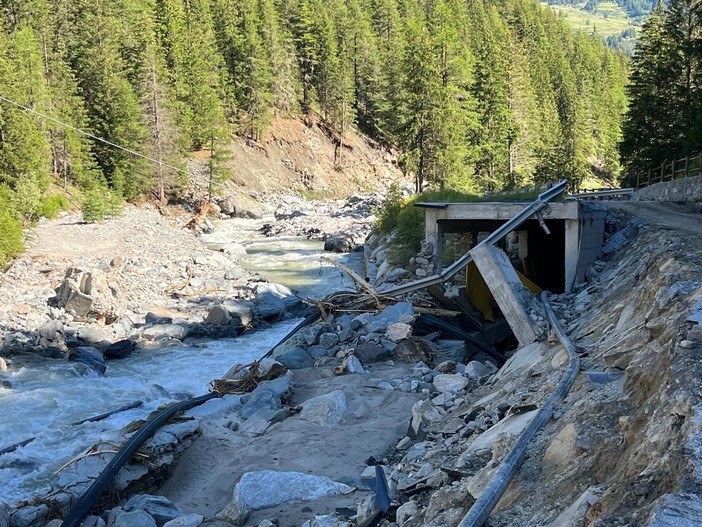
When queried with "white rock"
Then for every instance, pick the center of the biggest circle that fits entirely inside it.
(398, 332)
(687, 344)
(447, 382)
(326, 410)
(269, 488)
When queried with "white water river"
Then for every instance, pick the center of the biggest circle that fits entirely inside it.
(46, 398)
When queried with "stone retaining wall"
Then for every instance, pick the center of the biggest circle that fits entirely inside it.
(682, 190)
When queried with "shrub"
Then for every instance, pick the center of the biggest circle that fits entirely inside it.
(52, 205)
(99, 203)
(10, 234)
(389, 210)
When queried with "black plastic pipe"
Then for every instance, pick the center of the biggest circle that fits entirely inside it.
(484, 505)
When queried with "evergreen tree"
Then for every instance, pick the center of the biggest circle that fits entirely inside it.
(647, 124)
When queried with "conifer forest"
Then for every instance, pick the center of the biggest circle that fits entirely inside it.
(475, 95)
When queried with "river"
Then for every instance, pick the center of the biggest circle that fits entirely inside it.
(46, 398)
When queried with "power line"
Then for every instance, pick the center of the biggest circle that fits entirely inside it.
(95, 137)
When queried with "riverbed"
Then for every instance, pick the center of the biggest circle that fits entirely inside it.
(47, 396)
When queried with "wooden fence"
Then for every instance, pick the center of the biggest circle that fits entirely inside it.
(668, 171)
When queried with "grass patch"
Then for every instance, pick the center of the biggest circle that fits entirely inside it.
(608, 20)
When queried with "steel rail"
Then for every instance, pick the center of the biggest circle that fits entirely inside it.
(491, 495)
(531, 209)
(607, 193)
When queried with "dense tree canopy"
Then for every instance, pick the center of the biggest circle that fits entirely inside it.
(476, 94)
(665, 112)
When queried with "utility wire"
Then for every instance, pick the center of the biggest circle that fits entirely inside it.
(88, 134)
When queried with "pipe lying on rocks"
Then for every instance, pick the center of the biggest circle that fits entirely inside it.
(483, 506)
(90, 496)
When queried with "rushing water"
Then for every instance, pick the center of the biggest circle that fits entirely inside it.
(45, 399)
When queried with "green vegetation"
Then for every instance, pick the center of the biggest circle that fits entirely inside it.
(10, 231)
(52, 204)
(406, 222)
(478, 95)
(665, 112)
(607, 20)
(99, 204)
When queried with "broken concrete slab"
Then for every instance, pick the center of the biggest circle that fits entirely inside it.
(513, 298)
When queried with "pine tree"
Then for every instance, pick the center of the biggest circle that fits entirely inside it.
(647, 125)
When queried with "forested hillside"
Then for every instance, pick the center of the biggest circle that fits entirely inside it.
(476, 94)
(665, 114)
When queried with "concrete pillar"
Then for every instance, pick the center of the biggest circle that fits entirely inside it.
(431, 227)
(572, 252)
(504, 284)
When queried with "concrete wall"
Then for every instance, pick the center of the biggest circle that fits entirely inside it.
(592, 228)
(682, 190)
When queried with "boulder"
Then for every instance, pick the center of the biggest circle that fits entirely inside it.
(51, 330)
(423, 414)
(93, 521)
(29, 516)
(166, 331)
(353, 365)
(450, 382)
(294, 358)
(328, 340)
(340, 243)
(218, 316)
(191, 520)
(398, 331)
(120, 349)
(269, 488)
(160, 508)
(235, 251)
(476, 370)
(326, 410)
(236, 513)
(90, 293)
(242, 309)
(257, 400)
(400, 312)
(370, 352)
(136, 518)
(91, 357)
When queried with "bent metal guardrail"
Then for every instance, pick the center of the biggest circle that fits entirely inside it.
(530, 210)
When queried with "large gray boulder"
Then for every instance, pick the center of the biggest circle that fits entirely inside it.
(370, 352)
(91, 292)
(134, 519)
(340, 242)
(294, 358)
(91, 357)
(269, 488)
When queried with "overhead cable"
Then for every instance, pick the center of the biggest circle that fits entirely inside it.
(91, 136)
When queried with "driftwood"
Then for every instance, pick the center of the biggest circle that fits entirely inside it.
(248, 382)
(94, 453)
(358, 279)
